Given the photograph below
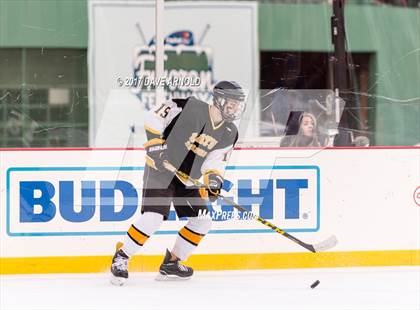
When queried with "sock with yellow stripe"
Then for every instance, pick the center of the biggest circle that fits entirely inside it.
(140, 231)
(190, 236)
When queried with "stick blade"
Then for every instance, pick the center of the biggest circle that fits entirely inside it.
(327, 244)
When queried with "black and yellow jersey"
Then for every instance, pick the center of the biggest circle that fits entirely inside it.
(195, 145)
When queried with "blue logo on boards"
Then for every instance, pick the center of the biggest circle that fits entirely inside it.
(66, 205)
(41, 201)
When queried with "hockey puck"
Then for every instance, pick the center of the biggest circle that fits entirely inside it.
(315, 284)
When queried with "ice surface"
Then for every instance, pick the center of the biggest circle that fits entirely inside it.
(340, 288)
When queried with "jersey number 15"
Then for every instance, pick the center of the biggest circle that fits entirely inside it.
(163, 110)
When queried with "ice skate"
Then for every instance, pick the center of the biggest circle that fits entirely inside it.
(119, 267)
(173, 270)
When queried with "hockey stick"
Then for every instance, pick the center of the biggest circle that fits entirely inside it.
(325, 245)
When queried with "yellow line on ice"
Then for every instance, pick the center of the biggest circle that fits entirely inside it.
(89, 264)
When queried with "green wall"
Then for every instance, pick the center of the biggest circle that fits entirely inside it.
(43, 23)
(391, 33)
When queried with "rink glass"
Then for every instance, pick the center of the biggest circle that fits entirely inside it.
(48, 66)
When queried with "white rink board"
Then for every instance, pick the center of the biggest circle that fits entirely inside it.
(363, 196)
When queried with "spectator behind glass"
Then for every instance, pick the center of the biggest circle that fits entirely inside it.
(307, 134)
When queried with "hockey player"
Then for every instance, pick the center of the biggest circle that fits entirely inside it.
(196, 138)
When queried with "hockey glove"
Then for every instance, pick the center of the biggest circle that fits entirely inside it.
(214, 184)
(156, 153)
